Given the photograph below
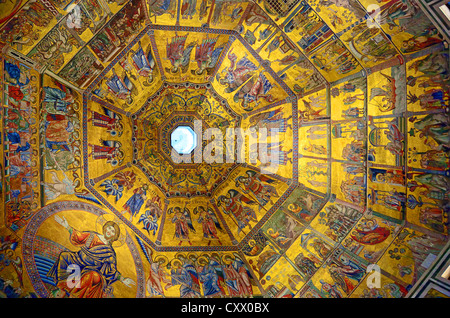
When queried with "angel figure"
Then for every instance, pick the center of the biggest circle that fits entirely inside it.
(144, 63)
(178, 55)
(121, 87)
(183, 223)
(233, 204)
(209, 223)
(253, 182)
(253, 90)
(238, 73)
(207, 55)
(101, 92)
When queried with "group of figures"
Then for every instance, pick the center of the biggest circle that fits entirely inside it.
(243, 78)
(252, 193)
(183, 223)
(428, 152)
(109, 150)
(20, 173)
(61, 129)
(240, 206)
(373, 166)
(405, 145)
(212, 275)
(189, 275)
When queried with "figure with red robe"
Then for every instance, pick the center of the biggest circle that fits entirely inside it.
(252, 91)
(237, 73)
(157, 274)
(183, 224)
(233, 204)
(178, 55)
(96, 260)
(237, 278)
(253, 183)
(109, 150)
(58, 129)
(370, 233)
(209, 223)
(109, 120)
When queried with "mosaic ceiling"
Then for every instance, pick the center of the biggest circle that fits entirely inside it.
(95, 94)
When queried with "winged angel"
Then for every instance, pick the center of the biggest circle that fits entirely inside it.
(210, 223)
(183, 223)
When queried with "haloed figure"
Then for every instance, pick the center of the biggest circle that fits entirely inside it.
(96, 261)
(183, 224)
(209, 223)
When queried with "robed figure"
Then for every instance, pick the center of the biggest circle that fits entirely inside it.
(233, 204)
(61, 98)
(109, 120)
(110, 150)
(210, 223)
(144, 63)
(96, 260)
(135, 202)
(183, 223)
(58, 129)
(185, 275)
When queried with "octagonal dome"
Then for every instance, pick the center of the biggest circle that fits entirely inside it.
(347, 99)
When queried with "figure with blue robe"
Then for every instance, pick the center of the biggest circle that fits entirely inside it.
(212, 278)
(96, 260)
(144, 63)
(120, 88)
(16, 74)
(135, 202)
(344, 273)
(61, 99)
(186, 276)
(15, 139)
